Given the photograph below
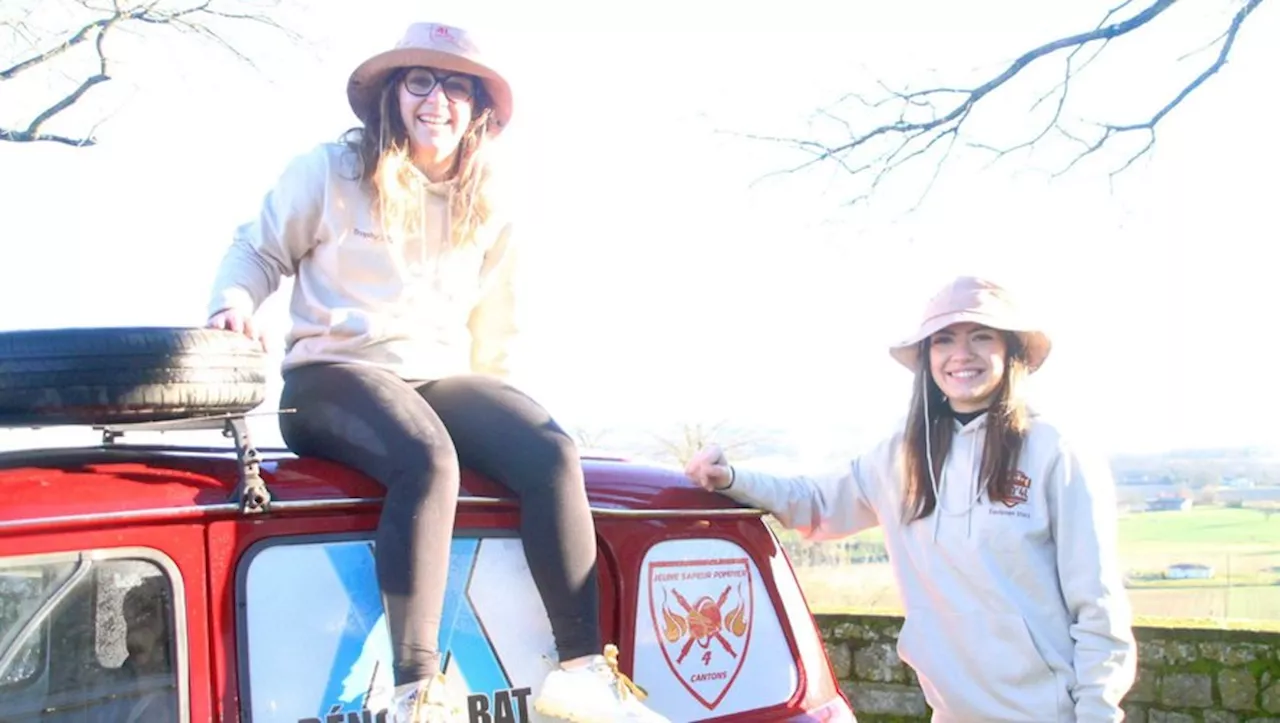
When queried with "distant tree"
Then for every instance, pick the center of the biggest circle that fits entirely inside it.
(1206, 476)
(70, 41)
(680, 445)
(589, 437)
(1209, 495)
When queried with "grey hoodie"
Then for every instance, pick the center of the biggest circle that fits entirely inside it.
(421, 309)
(1015, 610)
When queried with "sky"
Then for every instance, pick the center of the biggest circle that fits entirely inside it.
(671, 279)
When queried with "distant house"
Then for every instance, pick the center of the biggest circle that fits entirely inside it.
(1169, 504)
(1188, 571)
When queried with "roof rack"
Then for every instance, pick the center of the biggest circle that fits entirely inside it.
(251, 490)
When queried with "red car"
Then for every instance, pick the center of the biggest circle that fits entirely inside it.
(146, 583)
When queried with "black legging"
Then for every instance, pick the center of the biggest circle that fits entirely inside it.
(412, 438)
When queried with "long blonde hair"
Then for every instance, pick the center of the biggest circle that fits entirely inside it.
(1007, 421)
(382, 149)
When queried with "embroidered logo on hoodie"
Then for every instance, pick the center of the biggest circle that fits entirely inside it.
(1019, 490)
(1016, 501)
(1019, 493)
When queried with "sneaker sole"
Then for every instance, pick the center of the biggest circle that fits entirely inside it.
(554, 712)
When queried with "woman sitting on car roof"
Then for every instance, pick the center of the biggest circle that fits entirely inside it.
(402, 312)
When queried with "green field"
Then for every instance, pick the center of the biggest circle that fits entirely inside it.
(1202, 526)
(1242, 546)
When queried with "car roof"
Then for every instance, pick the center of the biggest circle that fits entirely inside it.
(120, 479)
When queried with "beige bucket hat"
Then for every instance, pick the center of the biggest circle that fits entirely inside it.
(976, 300)
(438, 46)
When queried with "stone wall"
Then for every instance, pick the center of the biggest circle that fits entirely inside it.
(1185, 675)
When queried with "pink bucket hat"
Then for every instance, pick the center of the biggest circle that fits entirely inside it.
(979, 301)
(437, 46)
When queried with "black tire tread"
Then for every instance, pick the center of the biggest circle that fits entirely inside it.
(131, 374)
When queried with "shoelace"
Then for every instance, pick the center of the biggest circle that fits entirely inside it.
(432, 694)
(624, 683)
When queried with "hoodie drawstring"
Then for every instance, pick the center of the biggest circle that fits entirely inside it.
(446, 235)
(975, 488)
(975, 491)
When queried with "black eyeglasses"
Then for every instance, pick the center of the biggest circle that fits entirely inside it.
(456, 87)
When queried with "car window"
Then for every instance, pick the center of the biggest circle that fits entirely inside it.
(315, 645)
(87, 640)
(708, 641)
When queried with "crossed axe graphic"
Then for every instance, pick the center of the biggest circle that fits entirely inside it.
(717, 634)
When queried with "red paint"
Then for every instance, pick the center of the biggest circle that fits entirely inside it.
(162, 501)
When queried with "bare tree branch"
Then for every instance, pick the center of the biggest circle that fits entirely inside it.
(1149, 126)
(934, 118)
(972, 96)
(80, 36)
(84, 86)
(197, 18)
(25, 137)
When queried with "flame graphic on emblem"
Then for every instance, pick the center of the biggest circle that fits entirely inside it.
(736, 620)
(674, 626)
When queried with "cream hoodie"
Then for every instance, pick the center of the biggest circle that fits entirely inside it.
(421, 309)
(1014, 611)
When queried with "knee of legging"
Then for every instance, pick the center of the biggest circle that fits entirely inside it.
(557, 453)
(427, 462)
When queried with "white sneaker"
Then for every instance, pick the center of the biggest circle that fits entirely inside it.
(594, 693)
(427, 701)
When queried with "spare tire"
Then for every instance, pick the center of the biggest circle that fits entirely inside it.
(133, 374)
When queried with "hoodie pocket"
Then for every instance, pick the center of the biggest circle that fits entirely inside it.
(977, 666)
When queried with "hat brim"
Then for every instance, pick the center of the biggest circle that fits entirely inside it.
(367, 79)
(1037, 342)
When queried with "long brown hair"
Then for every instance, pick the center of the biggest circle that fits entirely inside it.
(1007, 421)
(382, 149)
